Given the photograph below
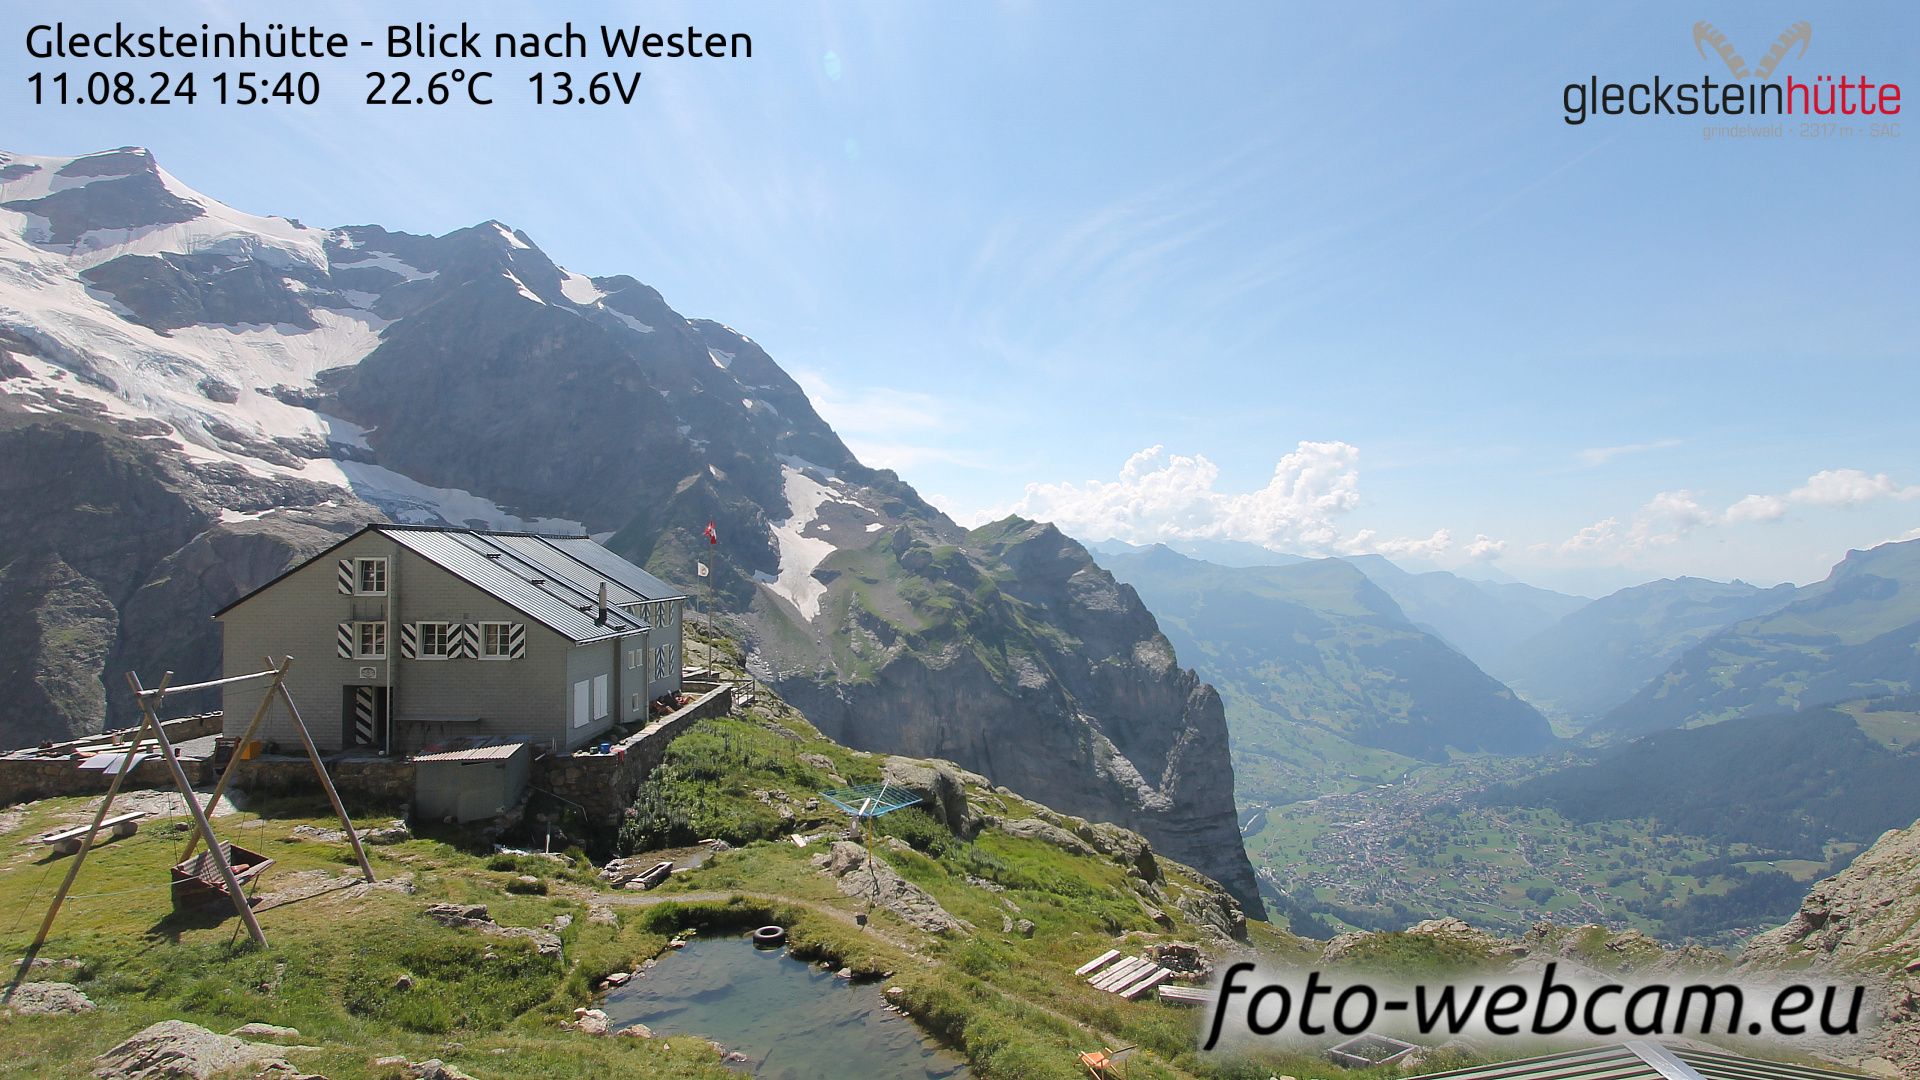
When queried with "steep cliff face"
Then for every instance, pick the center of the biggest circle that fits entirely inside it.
(1007, 650)
(115, 552)
(213, 370)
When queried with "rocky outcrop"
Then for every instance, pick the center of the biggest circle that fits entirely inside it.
(873, 880)
(942, 790)
(177, 1050)
(1863, 922)
(476, 917)
(48, 999)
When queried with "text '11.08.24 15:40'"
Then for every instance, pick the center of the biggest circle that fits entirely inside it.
(455, 86)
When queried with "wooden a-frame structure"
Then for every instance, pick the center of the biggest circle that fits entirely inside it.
(150, 701)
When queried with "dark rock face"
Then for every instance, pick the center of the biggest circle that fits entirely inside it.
(115, 557)
(56, 628)
(167, 292)
(129, 196)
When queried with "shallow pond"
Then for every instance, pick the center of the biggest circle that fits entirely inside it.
(792, 1020)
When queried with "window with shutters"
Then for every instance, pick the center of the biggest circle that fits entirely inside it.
(496, 640)
(601, 703)
(436, 640)
(370, 577)
(581, 715)
(370, 640)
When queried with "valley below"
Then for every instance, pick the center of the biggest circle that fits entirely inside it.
(1424, 846)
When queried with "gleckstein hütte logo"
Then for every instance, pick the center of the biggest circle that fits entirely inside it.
(1704, 34)
(1750, 92)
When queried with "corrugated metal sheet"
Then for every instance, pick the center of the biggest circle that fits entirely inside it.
(502, 752)
(1623, 1063)
(555, 603)
(554, 562)
(615, 568)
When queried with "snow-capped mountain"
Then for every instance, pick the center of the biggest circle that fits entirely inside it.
(192, 397)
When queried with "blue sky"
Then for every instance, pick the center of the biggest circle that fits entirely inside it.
(1331, 279)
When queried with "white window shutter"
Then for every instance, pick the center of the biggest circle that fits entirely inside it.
(517, 641)
(409, 640)
(344, 643)
(346, 577)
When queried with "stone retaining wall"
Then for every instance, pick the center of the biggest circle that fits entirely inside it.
(26, 775)
(604, 784)
(363, 783)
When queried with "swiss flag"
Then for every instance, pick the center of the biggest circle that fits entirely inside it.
(713, 537)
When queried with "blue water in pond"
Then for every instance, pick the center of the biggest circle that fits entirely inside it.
(792, 1020)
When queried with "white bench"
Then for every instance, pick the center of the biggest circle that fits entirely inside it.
(68, 841)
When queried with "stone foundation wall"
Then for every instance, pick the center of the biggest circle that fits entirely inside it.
(26, 775)
(363, 783)
(604, 784)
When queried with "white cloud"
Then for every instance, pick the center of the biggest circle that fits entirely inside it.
(1485, 548)
(1364, 542)
(1600, 455)
(1850, 487)
(1160, 496)
(1671, 516)
(1665, 520)
(1756, 508)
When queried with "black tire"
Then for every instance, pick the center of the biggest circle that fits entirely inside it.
(770, 936)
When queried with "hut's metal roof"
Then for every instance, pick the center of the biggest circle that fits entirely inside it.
(1640, 1061)
(554, 580)
(538, 590)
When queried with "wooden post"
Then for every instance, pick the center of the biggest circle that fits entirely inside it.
(86, 845)
(214, 853)
(326, 781)
(220, 788)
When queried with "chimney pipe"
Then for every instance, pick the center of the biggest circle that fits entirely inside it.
(601, 619)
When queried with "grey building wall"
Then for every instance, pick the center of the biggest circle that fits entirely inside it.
(591, 666)
(666, 645)
(298, 615)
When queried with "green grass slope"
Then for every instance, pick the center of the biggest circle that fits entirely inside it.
(1853, 636)
(1317, 644)
(1597, 657)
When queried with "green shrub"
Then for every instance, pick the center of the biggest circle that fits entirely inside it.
(919, 829)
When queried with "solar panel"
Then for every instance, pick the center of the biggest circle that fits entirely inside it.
(870, 800)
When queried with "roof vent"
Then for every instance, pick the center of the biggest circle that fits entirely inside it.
(536, 581)
(491, 554)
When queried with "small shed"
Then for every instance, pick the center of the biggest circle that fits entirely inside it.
(472, 784)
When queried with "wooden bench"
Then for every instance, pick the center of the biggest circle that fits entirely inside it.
(68, 841)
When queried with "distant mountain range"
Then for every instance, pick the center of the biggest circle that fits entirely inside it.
(1318, 643)
(1597, 657)
(1853, 636)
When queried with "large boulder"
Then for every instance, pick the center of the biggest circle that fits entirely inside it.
(942, 789)
(48, 999)
(177, 1050)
